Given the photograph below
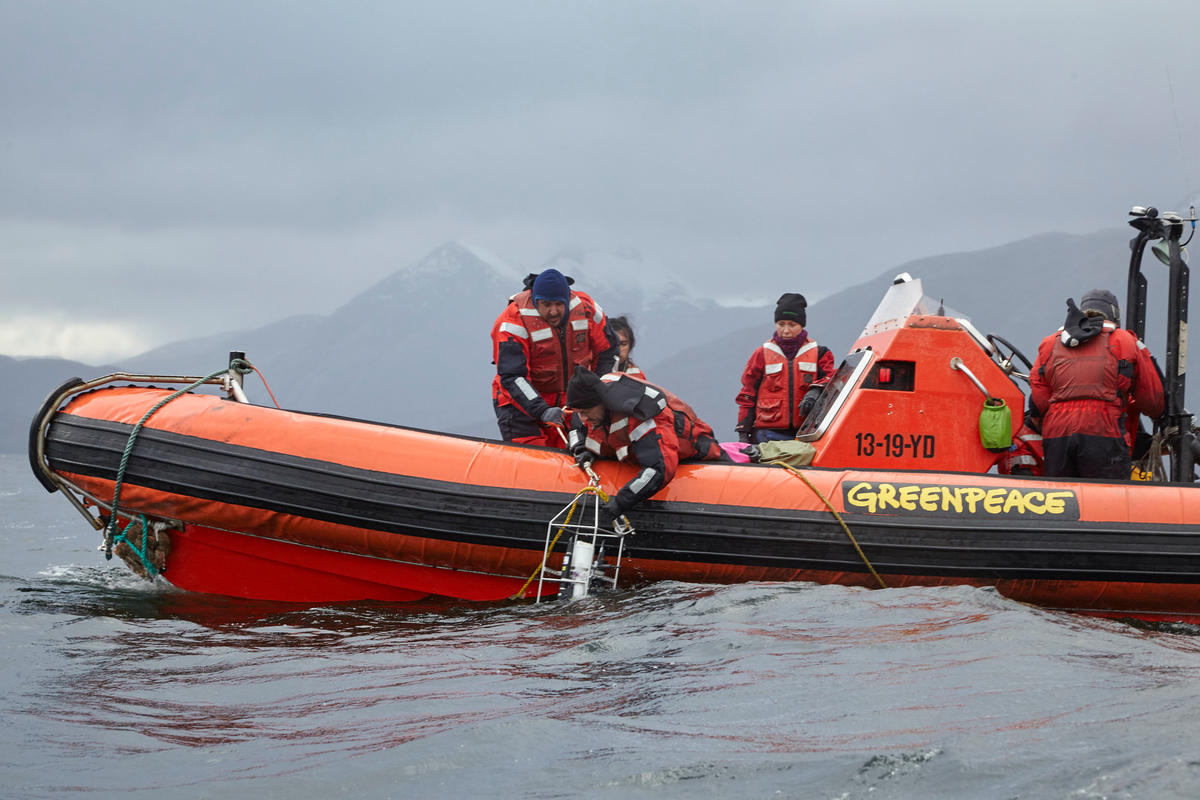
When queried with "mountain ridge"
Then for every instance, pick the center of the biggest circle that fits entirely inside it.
(413, 347)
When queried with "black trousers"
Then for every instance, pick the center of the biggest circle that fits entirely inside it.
(1082, 456)
(514, 423)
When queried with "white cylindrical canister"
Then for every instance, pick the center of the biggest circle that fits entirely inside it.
(581, 567)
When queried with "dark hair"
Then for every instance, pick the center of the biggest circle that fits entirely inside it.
(621, 325)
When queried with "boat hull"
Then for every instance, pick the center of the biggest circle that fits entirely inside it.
(280, 505)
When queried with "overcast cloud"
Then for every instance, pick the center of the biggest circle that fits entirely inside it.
(172, 169)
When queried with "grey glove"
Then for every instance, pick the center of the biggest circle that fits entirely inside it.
(810, 400)
(553, 416)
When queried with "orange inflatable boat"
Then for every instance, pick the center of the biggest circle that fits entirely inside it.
(220, 496)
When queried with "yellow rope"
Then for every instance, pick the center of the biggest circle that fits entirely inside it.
(836, 515)
(596, 490)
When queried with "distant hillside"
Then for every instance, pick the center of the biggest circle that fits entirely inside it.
(27, 383)
(1017, 291)
(414, 349)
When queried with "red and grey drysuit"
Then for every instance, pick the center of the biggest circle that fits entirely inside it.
(1089, 382)
(1026, 456)
(645, 425)
(534, 361)
(773, 387)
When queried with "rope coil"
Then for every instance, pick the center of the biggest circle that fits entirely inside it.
(238, 365)
(123, 536)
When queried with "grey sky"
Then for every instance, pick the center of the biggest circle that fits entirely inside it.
(171, 169)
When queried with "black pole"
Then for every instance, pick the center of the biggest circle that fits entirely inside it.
(1148, 227)
(234, 375)
(1178, 418)
(1135, 295)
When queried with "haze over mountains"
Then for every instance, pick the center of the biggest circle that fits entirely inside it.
(414, 349)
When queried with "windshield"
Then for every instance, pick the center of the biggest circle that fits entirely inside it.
(903, 300)
(834, 396)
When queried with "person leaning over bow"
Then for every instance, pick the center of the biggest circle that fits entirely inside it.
(543, 333)
(783, 377)
(619, 416)
(1089, 382)
(626, 341)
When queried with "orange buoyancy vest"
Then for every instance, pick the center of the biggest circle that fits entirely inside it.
(550, 365)
(782, 387)
(635, 371)
(623, 429)
(1086, 372)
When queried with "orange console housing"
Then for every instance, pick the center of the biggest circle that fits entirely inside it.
(910, 393)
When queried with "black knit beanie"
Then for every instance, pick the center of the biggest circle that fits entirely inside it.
(583, 390)
(790, 306)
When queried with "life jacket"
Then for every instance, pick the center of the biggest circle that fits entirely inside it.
(1085, 372)
(550, 365)
(1026, 453)
(637, 408)
(635, 371)
(782, 388)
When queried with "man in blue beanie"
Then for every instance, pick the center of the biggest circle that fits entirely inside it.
(541, 336)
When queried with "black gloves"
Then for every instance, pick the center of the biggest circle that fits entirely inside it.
(609, 511)
(577, 445)
(613, 516)
(810, 400)
(553, 416)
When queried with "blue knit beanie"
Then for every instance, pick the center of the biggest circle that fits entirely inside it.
(552, 287)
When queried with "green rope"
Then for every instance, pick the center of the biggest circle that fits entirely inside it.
(123, 537)
(237, 365)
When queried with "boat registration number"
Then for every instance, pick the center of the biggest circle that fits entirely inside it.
(896, 445)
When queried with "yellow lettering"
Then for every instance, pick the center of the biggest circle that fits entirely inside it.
(971, 496)
(951, 498)
(994, 498)
(882, 498)
(1056, 502)
(861, 496)
(887, 496)
(929, 497)
(1015, 501)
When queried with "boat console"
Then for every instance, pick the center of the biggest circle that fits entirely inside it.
(910, 393)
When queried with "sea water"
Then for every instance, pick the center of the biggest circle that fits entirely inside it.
(114, 687)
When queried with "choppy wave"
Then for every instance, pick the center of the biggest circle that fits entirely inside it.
(757, 690)
(117, 687)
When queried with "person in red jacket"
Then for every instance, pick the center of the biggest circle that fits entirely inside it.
(1026, 456)
(626, 340)
(1089, 382)
(622, 417)
(783, 378)
(537, 341)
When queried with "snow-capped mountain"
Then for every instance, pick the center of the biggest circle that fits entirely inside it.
(414, 349)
